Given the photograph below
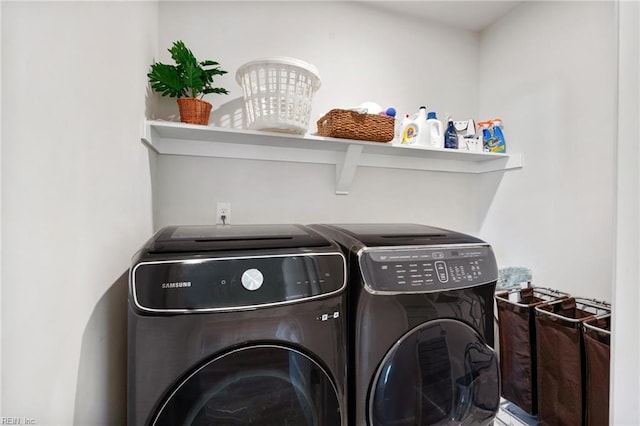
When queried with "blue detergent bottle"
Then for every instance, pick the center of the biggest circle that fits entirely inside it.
(500, 144)
(487, 137)
(450, 135)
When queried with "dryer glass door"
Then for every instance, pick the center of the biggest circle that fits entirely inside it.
(262, 385)
(440, 373)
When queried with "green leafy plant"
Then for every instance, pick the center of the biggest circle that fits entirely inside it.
(188, 78)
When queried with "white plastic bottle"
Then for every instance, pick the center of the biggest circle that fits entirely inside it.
(413, 131)
(435, 131)
(397, 139)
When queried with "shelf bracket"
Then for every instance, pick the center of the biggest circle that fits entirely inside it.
(347, 170)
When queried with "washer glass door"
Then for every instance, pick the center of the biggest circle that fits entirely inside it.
(262, 385)
(440, 373)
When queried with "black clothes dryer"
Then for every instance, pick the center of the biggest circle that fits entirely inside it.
(237, 325)
(421, 303)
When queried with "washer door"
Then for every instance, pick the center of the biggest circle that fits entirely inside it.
(440, 373)
(261, 385)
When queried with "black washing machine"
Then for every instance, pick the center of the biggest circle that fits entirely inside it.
(237, 325)
(421, 302)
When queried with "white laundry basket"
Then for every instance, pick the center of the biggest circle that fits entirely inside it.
(278, 92)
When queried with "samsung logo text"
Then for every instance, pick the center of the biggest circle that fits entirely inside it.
(179, 284)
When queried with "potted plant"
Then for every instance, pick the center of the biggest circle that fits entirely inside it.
(189, 80)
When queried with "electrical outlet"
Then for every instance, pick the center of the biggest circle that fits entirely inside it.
(223, 209)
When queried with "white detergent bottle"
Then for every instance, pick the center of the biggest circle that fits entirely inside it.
(399, 128)
(435, 131)
(413, 131)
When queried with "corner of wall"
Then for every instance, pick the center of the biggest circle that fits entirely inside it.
(1, 6)
(625, 349)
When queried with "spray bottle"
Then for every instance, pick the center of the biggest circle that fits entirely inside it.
(499, 143)
(487, 136)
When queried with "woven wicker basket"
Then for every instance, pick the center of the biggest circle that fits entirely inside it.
(348, 124)
(194, 111)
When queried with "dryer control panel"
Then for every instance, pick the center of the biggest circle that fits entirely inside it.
(427, 268)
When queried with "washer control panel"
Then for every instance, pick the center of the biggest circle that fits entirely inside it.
(208, 284)
(427, 269)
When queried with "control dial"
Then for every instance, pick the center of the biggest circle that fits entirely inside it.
(252, 279)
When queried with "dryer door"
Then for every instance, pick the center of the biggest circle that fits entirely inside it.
(440, 373)
(262, 385)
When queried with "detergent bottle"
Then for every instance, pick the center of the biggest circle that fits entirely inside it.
(434, 130)
(450, 135)
(400, 129)
(487, 136)
(413, 131)
(499, 144)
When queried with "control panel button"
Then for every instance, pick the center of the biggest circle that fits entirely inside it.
(252, 279)
(441, 270)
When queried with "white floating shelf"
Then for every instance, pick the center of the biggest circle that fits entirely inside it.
(171, 138)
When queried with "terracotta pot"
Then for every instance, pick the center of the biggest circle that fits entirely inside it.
(194, 111)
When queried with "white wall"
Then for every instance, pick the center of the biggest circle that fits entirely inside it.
(625, 352)
(0, 214)
(76, 203)
(564, 193)
(75, 179)
(362, 54)
(549, 70)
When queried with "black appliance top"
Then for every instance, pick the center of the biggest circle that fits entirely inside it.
(411, 258)
(188, 269)
(402, 234)
(179, 239)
